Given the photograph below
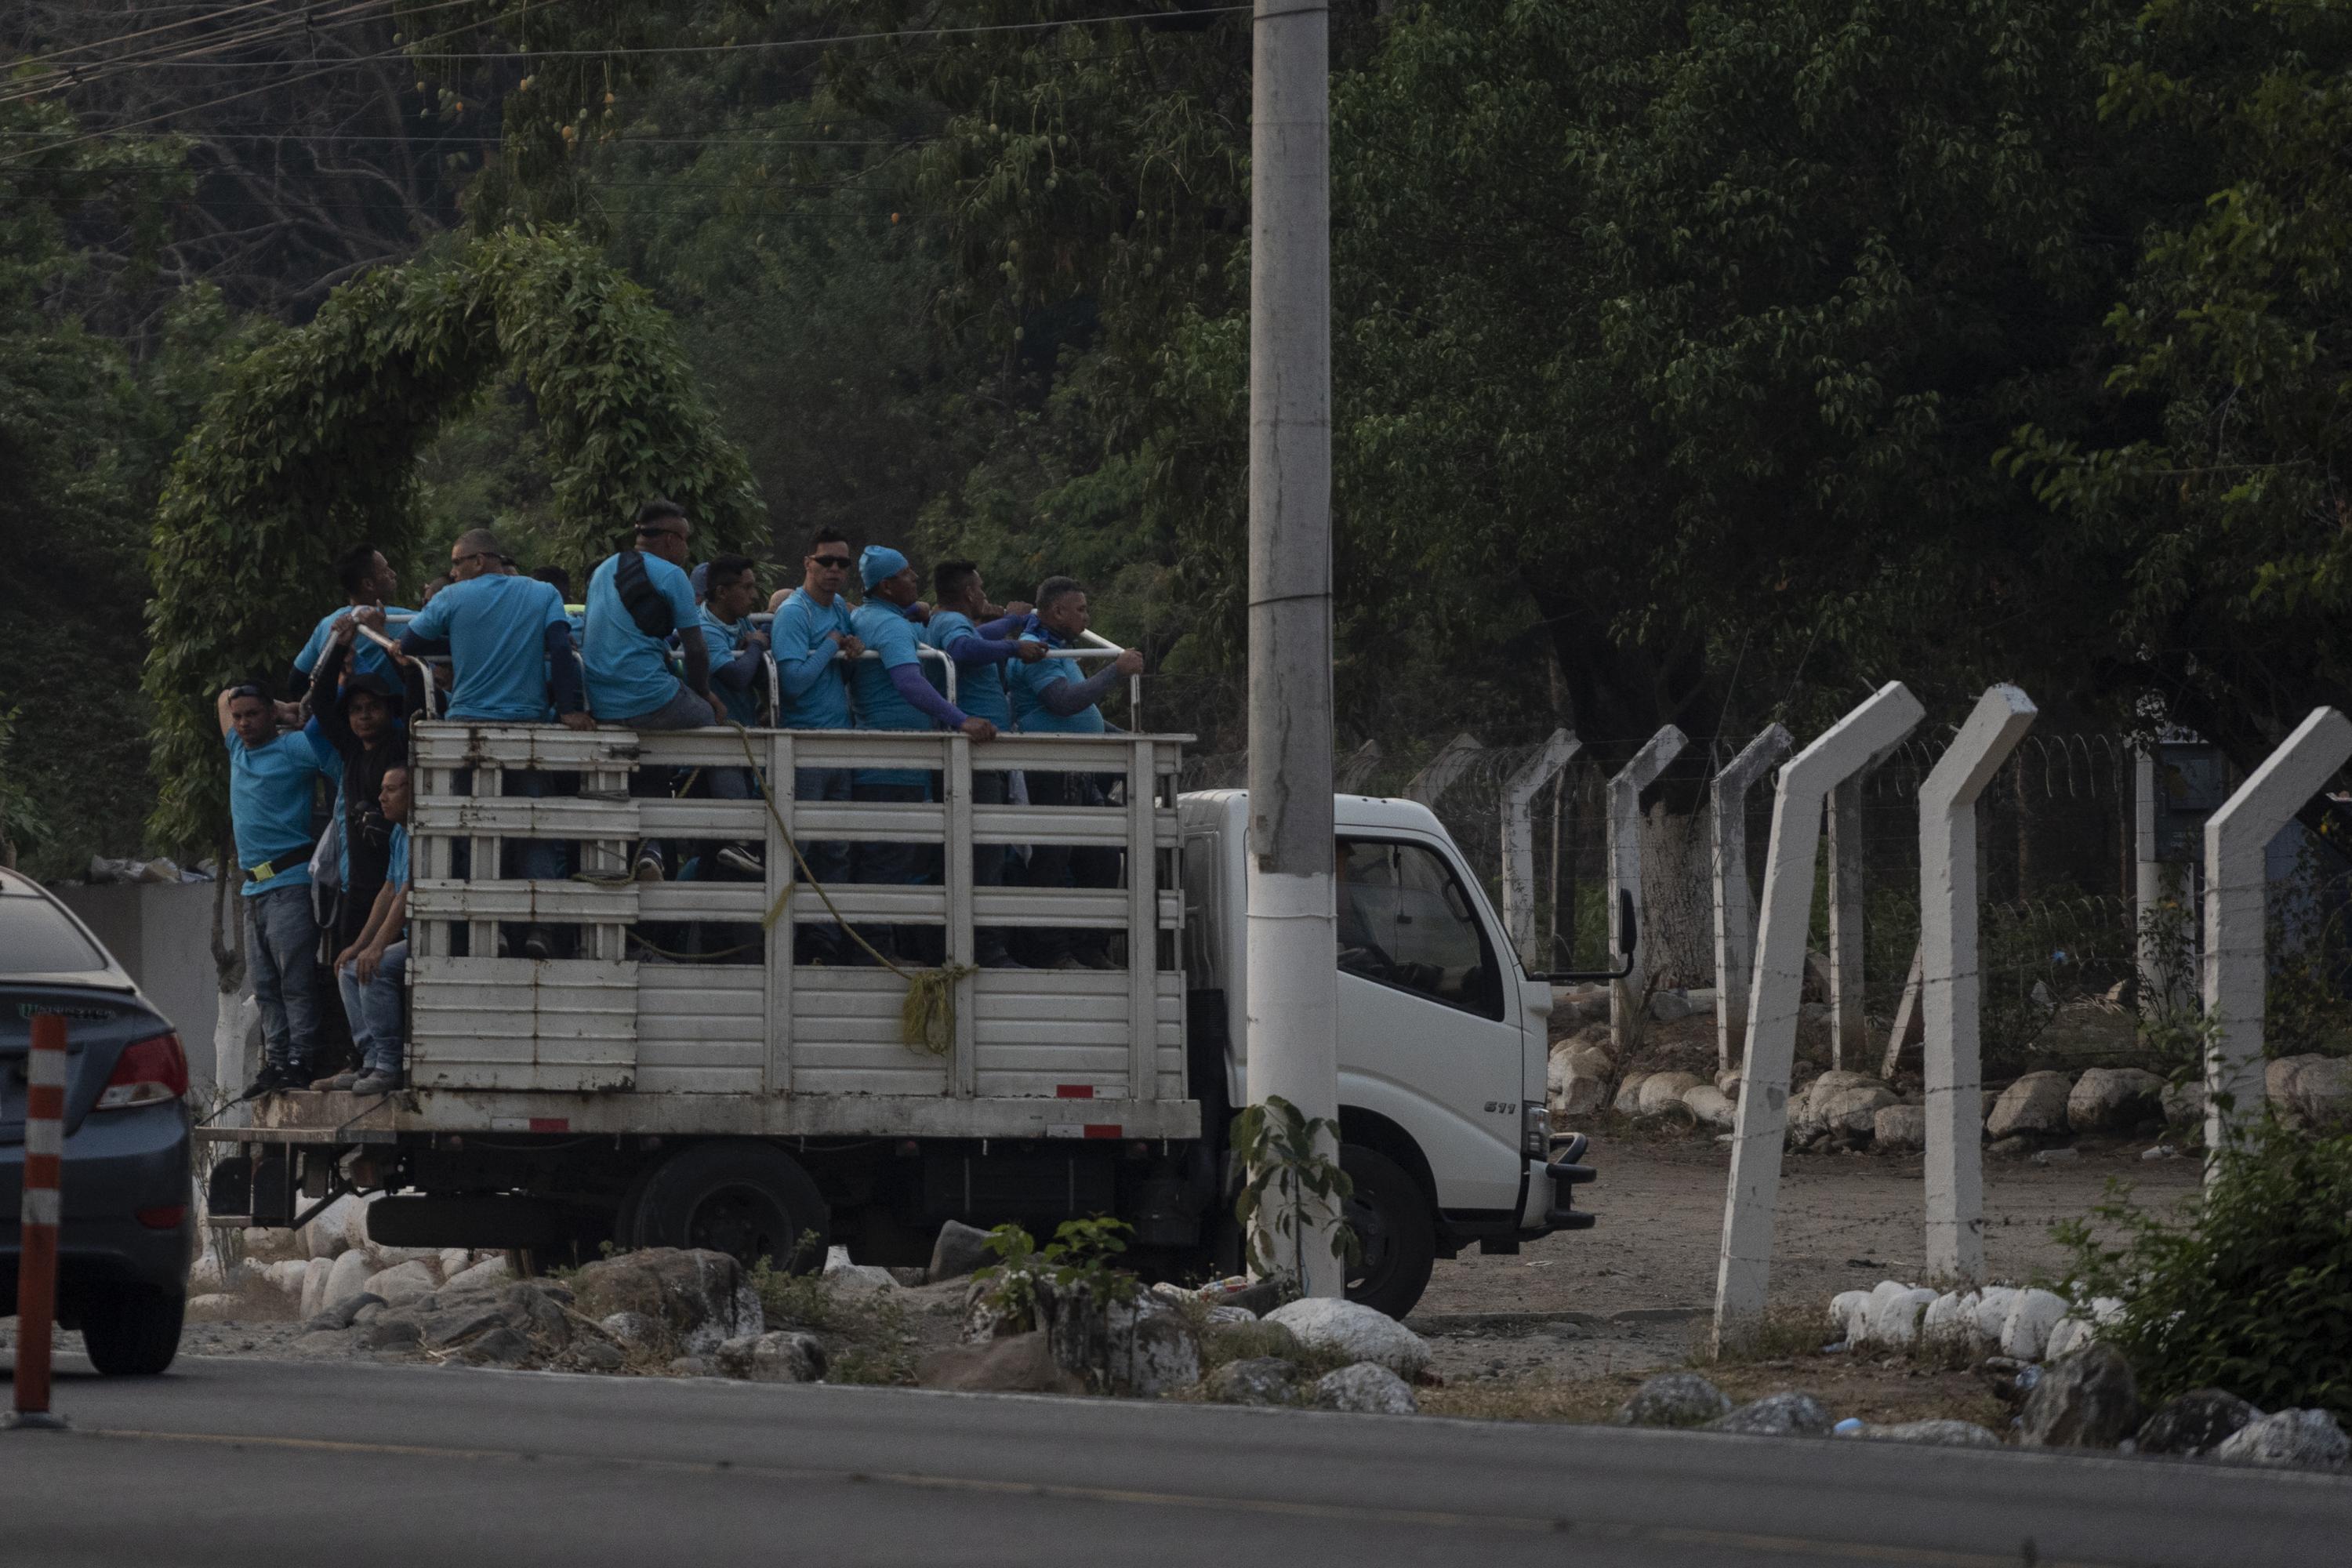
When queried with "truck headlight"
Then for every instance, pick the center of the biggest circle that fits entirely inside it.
(1535, 1130)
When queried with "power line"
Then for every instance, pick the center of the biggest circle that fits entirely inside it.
(146, 32)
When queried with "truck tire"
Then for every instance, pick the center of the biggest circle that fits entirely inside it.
(747, 1199)
(133, 1331)
(1393, 1224)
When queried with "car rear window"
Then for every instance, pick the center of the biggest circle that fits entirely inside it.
(35, 937)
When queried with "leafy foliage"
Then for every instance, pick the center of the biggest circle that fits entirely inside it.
(1079, 1260)
(312, 439)
(1293, 1184)
(2254, 1294)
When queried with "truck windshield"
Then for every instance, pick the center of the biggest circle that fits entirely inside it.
(1406, 921)
(37, 939)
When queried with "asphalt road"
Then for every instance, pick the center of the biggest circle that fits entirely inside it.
(237, 1462)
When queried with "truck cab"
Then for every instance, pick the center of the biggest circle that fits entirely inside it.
(1442, 1037)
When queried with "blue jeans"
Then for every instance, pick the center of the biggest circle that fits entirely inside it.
(828, 862)
(377, 1010)
(282, 945)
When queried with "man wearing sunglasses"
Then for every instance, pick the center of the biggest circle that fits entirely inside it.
(811, 639)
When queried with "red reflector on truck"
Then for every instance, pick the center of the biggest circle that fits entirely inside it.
(550, 1124)
(162, 1219)
(1073, 1092)
(1104, 1130)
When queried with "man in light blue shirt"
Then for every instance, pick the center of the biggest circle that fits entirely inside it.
(272, 780)
(368, 582)
(813, 638)
(892, 693)
(370, 970)
(1048, 698)
(958, 600)
(513, 652)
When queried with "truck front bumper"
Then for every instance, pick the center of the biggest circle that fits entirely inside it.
(1550, 1203)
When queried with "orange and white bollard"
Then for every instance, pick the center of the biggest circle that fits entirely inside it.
(37, 1259)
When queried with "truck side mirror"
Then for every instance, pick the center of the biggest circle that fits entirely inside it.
(1626, 933)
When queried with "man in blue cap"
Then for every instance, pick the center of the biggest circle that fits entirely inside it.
(959, 627)
(892, 694)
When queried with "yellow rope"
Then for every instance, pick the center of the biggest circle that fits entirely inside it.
(926, 1021)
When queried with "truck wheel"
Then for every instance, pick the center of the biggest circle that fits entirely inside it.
(133, 1331)
(1393, 1221)
(751, 1201)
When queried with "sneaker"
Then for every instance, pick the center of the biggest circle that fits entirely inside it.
(742, 858)
(539, 942)
(374, 1081)
(651, 867)
(1098, 961)
(1068, 961)
(338, 1084)
(268, 1080)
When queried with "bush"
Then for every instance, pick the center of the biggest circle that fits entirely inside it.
(2253, 1295)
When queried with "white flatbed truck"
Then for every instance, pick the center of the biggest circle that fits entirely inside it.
(730, 1097)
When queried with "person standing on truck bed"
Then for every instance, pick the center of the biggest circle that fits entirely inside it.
(959, 601)
(1049, 698)
(272, 776)
(638, 600)
(369, 969)
(361, 719)
(511, 650)
(369, 582)
(812, 636)
(893, 694)
(737, 658)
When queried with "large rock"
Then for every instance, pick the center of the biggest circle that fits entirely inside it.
(1366, 1388)
(1629, 1094)
(2197, 1422)
(1579, 1003)
(1576, 1080)
(1663, 1091)
(347, 1278)
(2087, 1400)
(1993, 1304)
(1895, 1316)
(1776, 1416)
(1672, 1006)
(1711, 1106)
(1152, 1350)
(1946, 1434)
(2303, 1439)
(313, 1295)
(1852, 1110)
(780, 1355)
(1017, 1363)
(1674, 1399)
(402, 1283)
(452, 1262)
(1358, 1332)
(1804, 1104)
(2035, 1105)
(857, 1279)
(488, 1275)
(1949, 1326)
(286, 1276)
(959, 1249)
(2031, 1316)
(329, 1233)
(2321, 1096)
(1899, 1126)
(1850, 1314)
(2278, 1082)
(1255, 1380)
(2113, 1099)
(2184, 1103)
(634, 1330)
(702, 1298)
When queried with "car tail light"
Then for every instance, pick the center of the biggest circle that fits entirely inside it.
(167, 1217)
(148, 1072)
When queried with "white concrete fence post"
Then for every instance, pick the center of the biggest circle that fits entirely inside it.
(1951, 983)
(1735, 903)
(1519, 842)
(1627, 996)
(1744, 1272)
(2237, 839)
(1442, 770)
(1849, 1029)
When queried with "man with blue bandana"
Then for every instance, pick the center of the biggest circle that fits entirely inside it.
(981, 647)
(1048, 698)
(813, 638)
(892, 694)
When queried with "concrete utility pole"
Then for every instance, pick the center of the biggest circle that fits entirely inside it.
(1293, 968)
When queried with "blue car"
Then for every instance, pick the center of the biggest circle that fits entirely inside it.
(129, 1229)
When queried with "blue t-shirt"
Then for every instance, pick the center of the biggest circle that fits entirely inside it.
(395, 874)
(979, 688)
(1029, 682)
(629, 673)
(497, 631)
(816, 697)
(724, 642)
(886, 630)
(366, 658)
(269, 800)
